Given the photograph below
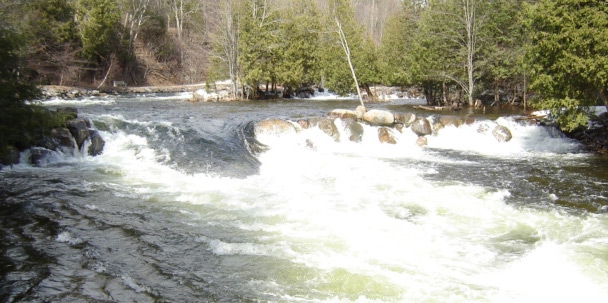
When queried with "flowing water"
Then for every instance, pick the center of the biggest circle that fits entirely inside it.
(187, 205)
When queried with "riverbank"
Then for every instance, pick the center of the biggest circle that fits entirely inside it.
(71, 92)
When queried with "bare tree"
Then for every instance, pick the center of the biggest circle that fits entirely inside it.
(346, 49)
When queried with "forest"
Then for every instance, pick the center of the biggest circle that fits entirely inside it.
(542, 53)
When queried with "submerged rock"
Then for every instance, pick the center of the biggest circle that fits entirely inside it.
(327, 125)
(385, 136)
(355, 129)
(422, 141)
(502, 134)
(273, 127)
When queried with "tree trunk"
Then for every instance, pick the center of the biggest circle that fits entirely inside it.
(370, 94)
(344, 43)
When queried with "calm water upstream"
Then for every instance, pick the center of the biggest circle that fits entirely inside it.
(182, 207)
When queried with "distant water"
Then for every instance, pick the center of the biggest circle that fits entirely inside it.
(181, 207)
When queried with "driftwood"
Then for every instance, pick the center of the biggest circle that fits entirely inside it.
(437, 108)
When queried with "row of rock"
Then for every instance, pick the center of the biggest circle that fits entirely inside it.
(76, 136)
(385, 120)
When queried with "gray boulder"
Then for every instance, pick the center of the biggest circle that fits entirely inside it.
(38, 155)
(422, 127)
(97, 143)
(79, 129)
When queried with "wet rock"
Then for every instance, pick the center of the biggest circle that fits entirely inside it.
(502, 134)
(379, 117)
(38, 155)
(9, 155)
(327, 125)
(343, 114)
(79, 128)
(59, 139)
(97, 143)
(360, 111)
(355, 129)
(451, 120)
(274, 127)
(422, 127)
(422, 141)
(385, 136)
(406, 119)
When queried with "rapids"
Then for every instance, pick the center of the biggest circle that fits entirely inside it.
(184, 206)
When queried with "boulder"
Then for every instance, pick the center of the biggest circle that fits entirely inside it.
(79, 129)
(9, 155)
(360, 111)
(379, 117)
(97, 144)
(355, 129)
(502, 134)
(274, 127)
(343, 114)
(406, 119)
(62, 138)
(422, 141)
(38, 155)
(385, 136)
(422, 127)
(451, 120)
(58, 139)
(327, 125)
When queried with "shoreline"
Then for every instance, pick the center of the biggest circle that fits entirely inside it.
(70, 92)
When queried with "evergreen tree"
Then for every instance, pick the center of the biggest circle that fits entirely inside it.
(98, 22)
(569, 57)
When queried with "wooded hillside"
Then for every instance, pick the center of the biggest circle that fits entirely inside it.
(455, 51)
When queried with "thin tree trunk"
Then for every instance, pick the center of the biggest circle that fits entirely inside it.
(107, 73)
(344, 43)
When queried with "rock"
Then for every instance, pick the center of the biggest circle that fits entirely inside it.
(422, 127)
(38, 155)
(274, 127)
(97, 143)
(9, 155)
(343, 114)
(58, 139)
(355, 129)
(327, 125)
(385, 136)
(451, 120)
(483, 128)
(437, 126)
(379, 117)
(406, 119)
(422, 141)
(79, 129)
(502, 134)
(360, 111)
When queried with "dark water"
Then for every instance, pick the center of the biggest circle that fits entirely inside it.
(180, 209)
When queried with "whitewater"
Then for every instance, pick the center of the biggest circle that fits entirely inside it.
(187, 204)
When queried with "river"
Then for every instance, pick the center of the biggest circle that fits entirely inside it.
(183, 207)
